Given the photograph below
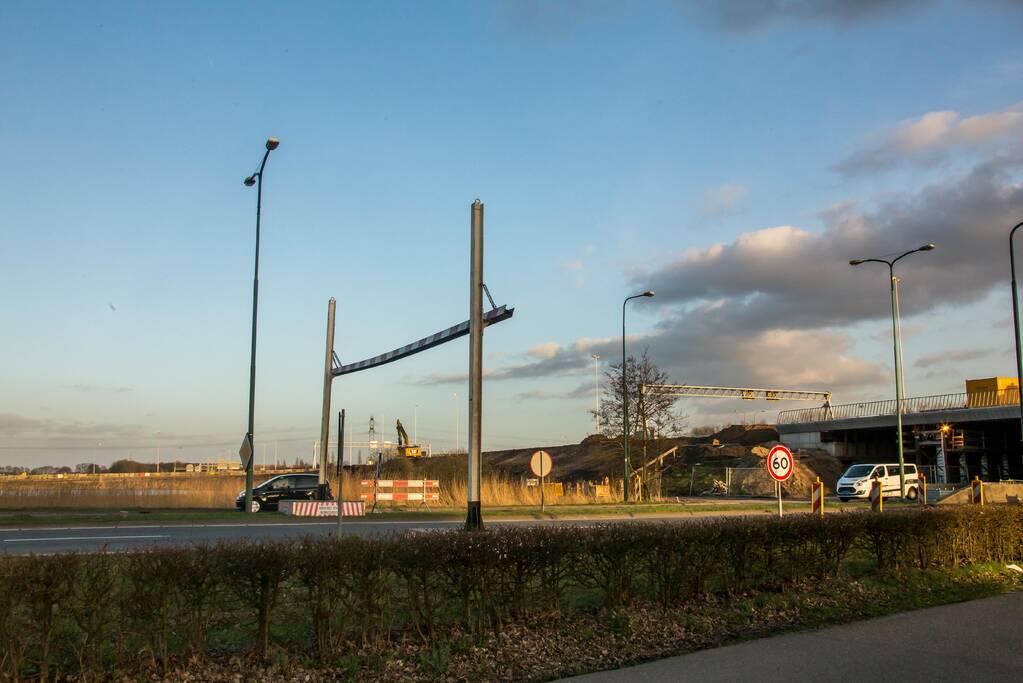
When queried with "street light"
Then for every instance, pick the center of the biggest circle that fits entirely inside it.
(596, 388)
(1015, 325)
(257, 177)
(625, 397)
(896, 345)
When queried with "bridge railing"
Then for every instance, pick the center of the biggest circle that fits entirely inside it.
(916, 404)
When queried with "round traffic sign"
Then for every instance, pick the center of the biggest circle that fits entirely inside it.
(540, 463)
(779, 463)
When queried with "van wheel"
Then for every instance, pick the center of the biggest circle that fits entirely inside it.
(255, 505)
(911, 493)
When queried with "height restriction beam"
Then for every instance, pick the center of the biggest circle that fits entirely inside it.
(744, 393)
(492, 317)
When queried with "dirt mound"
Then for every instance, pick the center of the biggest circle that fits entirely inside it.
(810, 464)
(746, 435)
(591, 460)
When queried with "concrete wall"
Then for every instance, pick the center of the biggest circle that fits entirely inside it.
(994, 493)
(796, 440)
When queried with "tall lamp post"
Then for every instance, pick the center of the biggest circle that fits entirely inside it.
(255, 179)
(625, 397)
(897, 343)
(1015, 324)
(596, 388)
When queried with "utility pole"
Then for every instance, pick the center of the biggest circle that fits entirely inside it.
(474, 515)
(340, 469)
(328, 378)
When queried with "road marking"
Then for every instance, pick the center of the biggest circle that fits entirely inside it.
(77, 538)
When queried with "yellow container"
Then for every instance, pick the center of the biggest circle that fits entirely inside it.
(991, 391)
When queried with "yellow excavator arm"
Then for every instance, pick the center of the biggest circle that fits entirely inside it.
(404, 446)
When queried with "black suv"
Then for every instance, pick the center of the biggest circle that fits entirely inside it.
(267, 495)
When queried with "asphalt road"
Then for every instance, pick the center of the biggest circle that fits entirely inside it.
(92, 538)
(969, 641)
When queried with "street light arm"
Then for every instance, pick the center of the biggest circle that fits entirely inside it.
(902, 256)
(874, 260)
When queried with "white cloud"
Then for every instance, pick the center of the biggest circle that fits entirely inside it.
(930, 137)
(769, 308)
(721, 199)
(546, 350)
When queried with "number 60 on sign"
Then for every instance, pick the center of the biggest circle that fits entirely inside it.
(779, 463)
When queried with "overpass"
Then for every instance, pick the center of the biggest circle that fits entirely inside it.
(958, 435)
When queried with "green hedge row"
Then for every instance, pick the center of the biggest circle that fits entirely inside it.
(122, 612)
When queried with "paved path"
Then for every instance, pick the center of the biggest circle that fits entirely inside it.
(970, 641)
(90, 538)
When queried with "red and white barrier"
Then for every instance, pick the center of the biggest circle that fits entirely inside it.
(876, 496)
(322, 508)
(400, 490)
(977, 491)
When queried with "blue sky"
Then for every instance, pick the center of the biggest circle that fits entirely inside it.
(613, 144)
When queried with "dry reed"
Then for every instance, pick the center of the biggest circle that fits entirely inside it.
(220, 490)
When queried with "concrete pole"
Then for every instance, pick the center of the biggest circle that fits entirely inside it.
(328, 377)
(474, 515)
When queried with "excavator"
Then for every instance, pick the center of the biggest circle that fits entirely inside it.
(404, 447)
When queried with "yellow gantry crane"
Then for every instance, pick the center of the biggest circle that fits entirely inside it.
(405, 448)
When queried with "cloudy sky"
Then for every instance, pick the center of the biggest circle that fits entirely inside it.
(732, 156)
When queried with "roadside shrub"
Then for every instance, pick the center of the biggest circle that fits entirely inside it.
(134, 614)
(254, 573)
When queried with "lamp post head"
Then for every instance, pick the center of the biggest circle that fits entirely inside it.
(926, 247)
(856, 262)
(272, 143)
(250, 181)
(649, 293)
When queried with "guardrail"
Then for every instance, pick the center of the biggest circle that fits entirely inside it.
(917, 404)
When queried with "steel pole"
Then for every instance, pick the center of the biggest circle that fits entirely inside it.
(625, 412)
(1015, 323)
(340, 462)
(474, 515)
(250, 434)
(328, 377)
(898, 387)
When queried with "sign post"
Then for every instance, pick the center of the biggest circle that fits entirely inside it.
(817, 498)
(779, 466)
(540, 463)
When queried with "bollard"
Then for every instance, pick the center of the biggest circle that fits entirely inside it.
(876, 496)
(977, 491)
(921, 491)
(817, 498)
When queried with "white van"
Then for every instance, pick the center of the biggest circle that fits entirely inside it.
(856, 481)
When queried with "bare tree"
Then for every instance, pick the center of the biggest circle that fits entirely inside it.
(655, 410)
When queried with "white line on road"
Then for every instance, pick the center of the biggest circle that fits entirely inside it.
(78, 538)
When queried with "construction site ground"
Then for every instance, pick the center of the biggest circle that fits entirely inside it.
(743, 448)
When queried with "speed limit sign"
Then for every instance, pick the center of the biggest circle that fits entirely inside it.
(779, 463)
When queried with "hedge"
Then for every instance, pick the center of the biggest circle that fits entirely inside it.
(149, 610)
